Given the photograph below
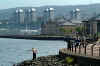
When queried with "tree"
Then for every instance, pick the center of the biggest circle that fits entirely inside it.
(79, 29)
(66, 31)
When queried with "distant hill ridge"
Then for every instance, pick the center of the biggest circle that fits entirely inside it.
(86, 10)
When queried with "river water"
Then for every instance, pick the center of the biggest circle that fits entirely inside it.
(16, 50)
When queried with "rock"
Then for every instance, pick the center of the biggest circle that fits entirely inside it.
(52, 60)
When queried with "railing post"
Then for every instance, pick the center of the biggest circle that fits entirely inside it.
(79, 49)
(72, 47)
(85, 50)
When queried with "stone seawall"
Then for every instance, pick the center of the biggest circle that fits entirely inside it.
(80, 59)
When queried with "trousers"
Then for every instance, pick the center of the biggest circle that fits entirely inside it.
(34, 56)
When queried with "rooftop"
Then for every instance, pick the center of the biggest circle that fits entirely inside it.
(67, 23)
(76, 21)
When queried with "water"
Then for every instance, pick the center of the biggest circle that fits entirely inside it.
(16, 50)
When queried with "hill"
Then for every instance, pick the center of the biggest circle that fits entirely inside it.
(86, 10)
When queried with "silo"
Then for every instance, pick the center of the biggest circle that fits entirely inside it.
(33, 15)
(77, 14)
(51, 14)
(20, 16)
(46, 15)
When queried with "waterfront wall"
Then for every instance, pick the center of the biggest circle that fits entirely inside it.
(89, 50)
(83, 56)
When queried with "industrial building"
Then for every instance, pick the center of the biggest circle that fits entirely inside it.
(51, 26)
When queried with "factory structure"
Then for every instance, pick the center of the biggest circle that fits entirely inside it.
(51, 26)
(25, 21)
(28, 16)
(75, 14)
(48, 15)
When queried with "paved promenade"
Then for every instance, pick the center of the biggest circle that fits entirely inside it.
(83, 56)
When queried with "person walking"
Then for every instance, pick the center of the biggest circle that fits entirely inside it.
(34, 53)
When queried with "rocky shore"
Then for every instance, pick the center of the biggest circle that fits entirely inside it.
(52, 60)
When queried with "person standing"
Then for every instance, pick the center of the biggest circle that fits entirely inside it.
(34, 53)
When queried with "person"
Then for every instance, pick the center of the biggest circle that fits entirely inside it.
(34, 53)
(69, 45)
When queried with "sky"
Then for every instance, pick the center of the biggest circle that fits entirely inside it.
(4, 4)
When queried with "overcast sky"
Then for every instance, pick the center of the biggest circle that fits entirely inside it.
(4, 4)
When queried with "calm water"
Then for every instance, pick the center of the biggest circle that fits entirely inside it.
(16, 50)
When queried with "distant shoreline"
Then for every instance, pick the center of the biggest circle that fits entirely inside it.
(37, 37)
